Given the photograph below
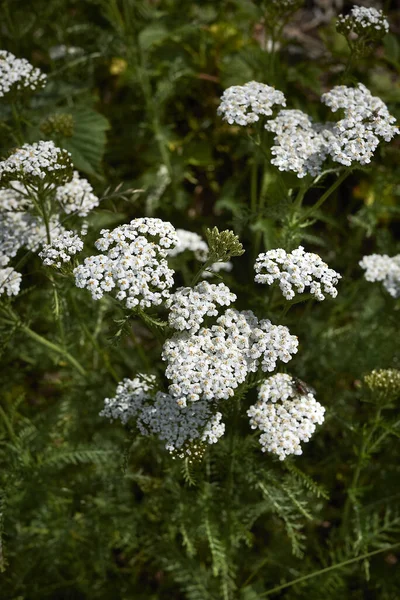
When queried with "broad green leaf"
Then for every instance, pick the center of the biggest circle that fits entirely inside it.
(87, 144)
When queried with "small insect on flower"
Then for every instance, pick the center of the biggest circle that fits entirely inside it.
(302, 387)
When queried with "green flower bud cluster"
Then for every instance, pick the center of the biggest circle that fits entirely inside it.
(61, 124)
(223, 245)
(384, 384)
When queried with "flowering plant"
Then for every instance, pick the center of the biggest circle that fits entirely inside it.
(199, 282)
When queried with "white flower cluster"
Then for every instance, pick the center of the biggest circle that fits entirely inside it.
(211, 363)
(381, 267)
(159, 414)
(37, 162)
(361, 18)
(188, 306)
(77, 196)
(10, 281)
(14, 197)
(366, 119)
(285, 416)
(61, 249)
(130, 397)
(296, 271)
(188, 240)
(300, 145)
(17, 74)
(135, 263)
(22, 230)
(178, 425)
(243, 104)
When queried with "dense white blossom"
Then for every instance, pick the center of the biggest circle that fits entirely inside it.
(14, 197)
(23, 230)
(361, 19)
(243, 104)
(211, 363)
(366, 119)
(17, 74)
(277, 387)
(262, 344)
(157, 413)
(61, 249)
(130, 397)
(384, 268)
(300, 146)
(77, 196)
(285, 416)
(205, 365)
(36, 163)
(176, 425)
(10, 281)
(188, 306)
(296, 271)
(188, 240)
(135, 263)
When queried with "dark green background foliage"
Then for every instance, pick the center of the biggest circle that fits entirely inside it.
(92, 510)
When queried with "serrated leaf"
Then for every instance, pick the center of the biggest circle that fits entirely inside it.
(88, 142)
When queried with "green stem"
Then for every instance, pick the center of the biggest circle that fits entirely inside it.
(201, 270)
(324, 196)
(19, 135)
(349, 65)
(364, 450)
(14, 319)
(328, 569)
(382, 437)
(54, 347)
(92, 340)
(253, 186)
(7, 424)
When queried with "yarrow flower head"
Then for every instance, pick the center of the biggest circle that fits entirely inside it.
(14, 198)
(41, 162)
(188, 306)
(18, 75)
(10, 281)
(243, 104)
(61, 249)
(134, 263)
(210, 363)
(157, 413)
(364, 21)
(22, 230)
(296, 271)
(366, 119)
(285, 416)
(300, 145)
(77, 196)
(384, 268)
